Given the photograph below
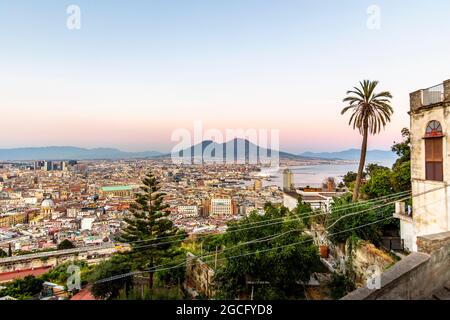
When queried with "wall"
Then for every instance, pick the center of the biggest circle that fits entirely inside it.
(415, 277)
(55, 258)
(289, 201)
(365, 257)
(431, 212)
(199, 276)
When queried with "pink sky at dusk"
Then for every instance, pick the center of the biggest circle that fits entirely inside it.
(130, 77)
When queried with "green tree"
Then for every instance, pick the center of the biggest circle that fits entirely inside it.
(403, 149)
(373, 167)
(3, 254)
(118, 265)
(370, 112)
(345, 220)
(148, 228)
(277, 265)
(401, 170)
(350, 178)
(65, 244)
(379, 184)
(304, 210)
(23, 288)
(340, 285)
(59, 274)
(401, 177)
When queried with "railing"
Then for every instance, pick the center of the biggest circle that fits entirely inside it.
(433, 95)
(403, 210)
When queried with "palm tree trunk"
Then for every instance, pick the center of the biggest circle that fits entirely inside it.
(362, 162)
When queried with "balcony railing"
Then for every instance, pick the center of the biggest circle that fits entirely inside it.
(403, 211)
(433, 95)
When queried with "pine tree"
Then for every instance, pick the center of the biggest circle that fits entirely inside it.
(148, 229)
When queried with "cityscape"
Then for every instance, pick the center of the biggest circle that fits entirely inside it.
(228, 152)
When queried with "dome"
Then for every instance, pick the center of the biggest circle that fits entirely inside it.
(48, 203)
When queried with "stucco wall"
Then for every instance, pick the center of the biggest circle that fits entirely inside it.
(415, 277)
(431, 212)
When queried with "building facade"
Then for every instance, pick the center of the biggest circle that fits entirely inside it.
(288, 180)
(188, 211)
(430, 168)
(222, 207)
(117, 191)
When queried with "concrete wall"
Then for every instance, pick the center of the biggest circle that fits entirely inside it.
(289, 201)
(415, 277)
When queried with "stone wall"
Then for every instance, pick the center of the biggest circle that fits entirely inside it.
(366, 258)
(199, 276)
(415, 277)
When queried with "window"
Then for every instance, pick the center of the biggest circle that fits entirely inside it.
(434, 129)
(434, 169)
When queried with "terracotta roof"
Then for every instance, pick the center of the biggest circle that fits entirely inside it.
(20, 274)
(84, 294)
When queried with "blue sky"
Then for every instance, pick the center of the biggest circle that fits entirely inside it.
(137, 70)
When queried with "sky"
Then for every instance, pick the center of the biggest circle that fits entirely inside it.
(136, 71)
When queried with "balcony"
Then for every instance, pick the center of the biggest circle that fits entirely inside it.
(433, 95)
(403, 212)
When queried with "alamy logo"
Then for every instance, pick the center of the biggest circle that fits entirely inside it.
(236, 146)
(74, 279)
(374, 17)
(74, 19)
(373, 280)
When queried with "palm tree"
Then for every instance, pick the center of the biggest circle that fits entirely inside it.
(370, 112)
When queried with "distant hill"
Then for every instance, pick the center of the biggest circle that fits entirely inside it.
(241, 149)
(207, 147)
(71, 153)
(353, 154)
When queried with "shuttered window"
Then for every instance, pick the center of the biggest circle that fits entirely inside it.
(434, 169)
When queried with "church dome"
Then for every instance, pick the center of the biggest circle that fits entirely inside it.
(47, 204)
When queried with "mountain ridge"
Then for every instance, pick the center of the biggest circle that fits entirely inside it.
(103, 153)
(353, 154)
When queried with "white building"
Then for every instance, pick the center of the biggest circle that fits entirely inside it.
(221, 207)
(430, 168)
(86, 223)
(288, 180)
(317, 200)
(188, 211)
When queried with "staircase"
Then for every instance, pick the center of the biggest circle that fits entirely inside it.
(443, 294)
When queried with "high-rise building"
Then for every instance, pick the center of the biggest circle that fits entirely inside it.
(48, 166)
(288, 180)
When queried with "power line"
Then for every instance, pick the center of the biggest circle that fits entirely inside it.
(281, 219)
(257, 227)
(158, 268)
